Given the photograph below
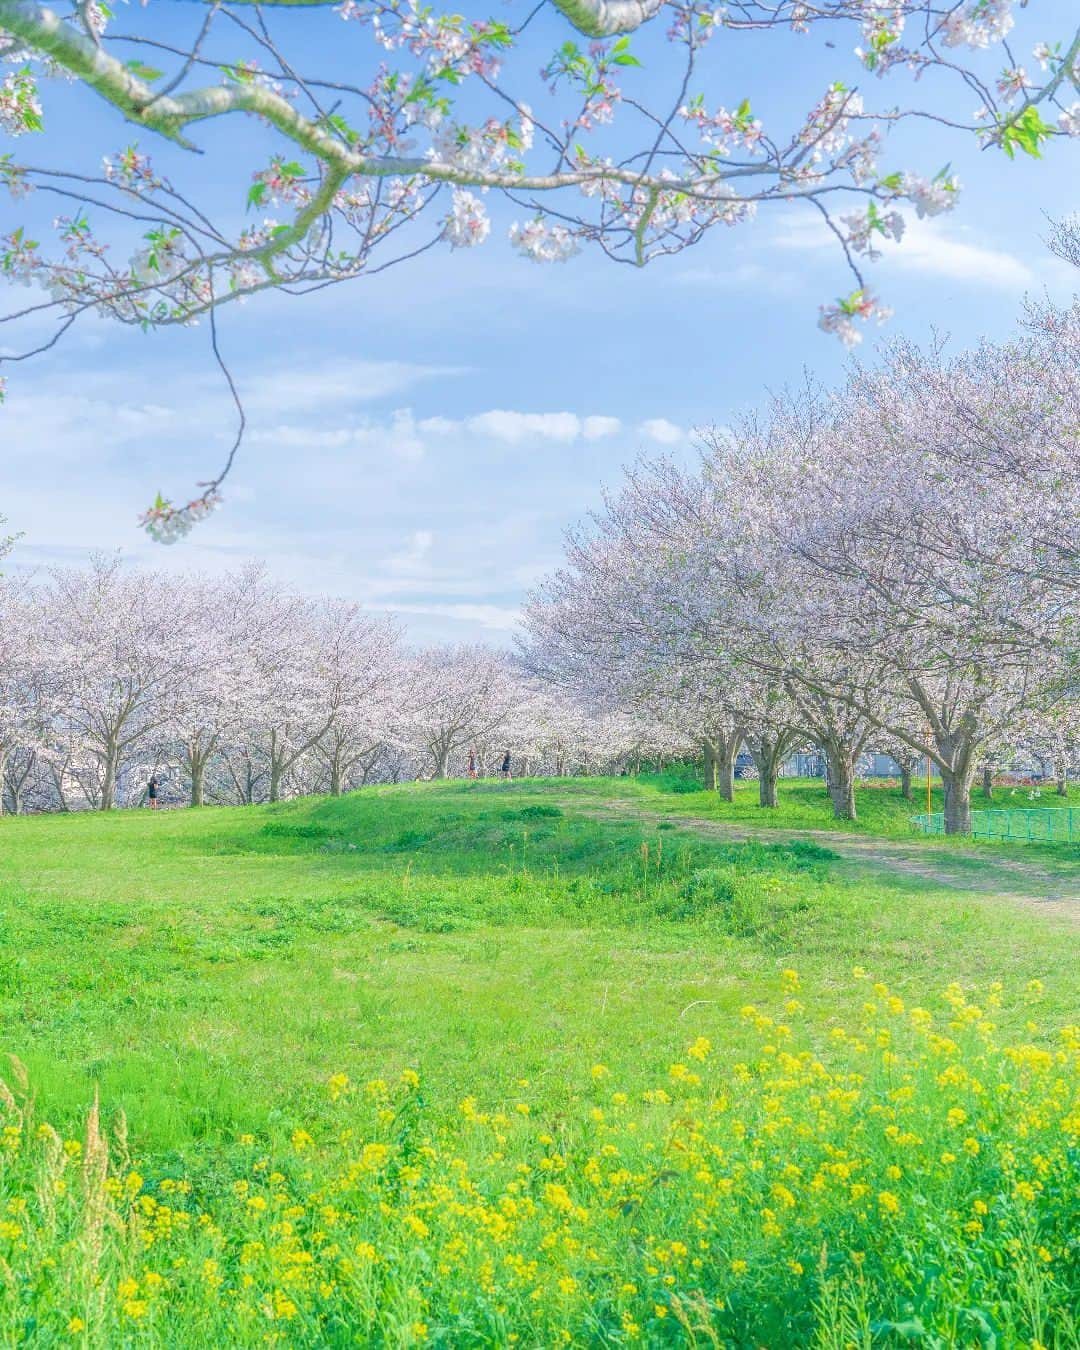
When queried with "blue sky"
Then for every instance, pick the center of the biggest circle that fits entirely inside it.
(419, 440)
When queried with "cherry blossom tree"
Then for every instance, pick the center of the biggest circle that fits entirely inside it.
(639, 136)
(897, 561)
(211, 702)
(116, 642)
(878, 540)
(362, 658)
(15, 677)
(456, 696)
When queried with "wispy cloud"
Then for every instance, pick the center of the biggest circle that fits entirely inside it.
(317, 388)
(497, 618)
(929, 248)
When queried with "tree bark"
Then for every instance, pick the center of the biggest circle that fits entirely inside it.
(957, 784)
(726, 785)
(708, 748)
(988, 783)
(905, 782)
(198, 778)
(108, 782)
(840, 778)
(1062, 782)
(3, 775)
(768, 753)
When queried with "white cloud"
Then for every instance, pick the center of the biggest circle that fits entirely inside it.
(928, 249)
(501, 424)
(513, 427)
(495, 617)
(414, 556)
(396, 436)
(662, 431)
(595, 428)
(931, 248)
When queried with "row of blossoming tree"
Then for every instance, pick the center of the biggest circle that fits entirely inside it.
(340, 139)
(234, 689)
(893, 564)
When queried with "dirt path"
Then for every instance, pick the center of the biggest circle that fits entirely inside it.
(975, 871)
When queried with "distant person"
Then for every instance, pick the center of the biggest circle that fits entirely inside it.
(472, 765)
(504, 772)
(151, 793)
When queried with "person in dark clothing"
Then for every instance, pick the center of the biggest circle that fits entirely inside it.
(151, 792)
(505, 771)
(472, 764)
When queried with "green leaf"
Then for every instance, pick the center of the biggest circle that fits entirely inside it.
(256, 194)
(1027, 131)
(144, 72)
(621, 54)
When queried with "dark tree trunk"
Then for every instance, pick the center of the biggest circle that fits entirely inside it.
(1062, 784)
(988, 783)
(905, 782)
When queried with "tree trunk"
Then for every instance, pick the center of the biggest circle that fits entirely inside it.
(708, 748)
(198, 778)
(275, 780)
(957, 786)
(3, 774)
(726, 785)
(905, 782)
(840, 778)
(108, 782)
(337, 775)
(768, 754)
(988, 783)
(1062, 784)
(442, 763)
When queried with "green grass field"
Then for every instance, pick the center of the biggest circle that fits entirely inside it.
(476, 1064)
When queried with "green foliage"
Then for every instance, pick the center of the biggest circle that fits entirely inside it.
(1026, 132)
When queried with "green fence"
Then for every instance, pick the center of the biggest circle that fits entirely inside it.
(1054, 825)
